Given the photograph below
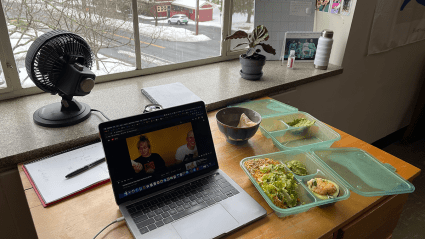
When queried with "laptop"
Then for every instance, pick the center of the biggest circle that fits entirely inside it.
(166, 178)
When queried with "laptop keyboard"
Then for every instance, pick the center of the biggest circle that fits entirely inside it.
(170, 206)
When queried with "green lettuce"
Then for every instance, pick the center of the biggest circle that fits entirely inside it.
(281, 184)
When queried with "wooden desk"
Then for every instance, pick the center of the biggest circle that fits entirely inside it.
(357, 217)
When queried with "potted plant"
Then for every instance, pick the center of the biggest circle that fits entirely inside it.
(252, 62)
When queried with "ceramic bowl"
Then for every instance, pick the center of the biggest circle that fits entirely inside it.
(228, 120)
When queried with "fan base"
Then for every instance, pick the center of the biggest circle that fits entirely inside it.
(51, 115)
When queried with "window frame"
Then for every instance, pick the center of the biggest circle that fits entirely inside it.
(14, 88)
(161, 8)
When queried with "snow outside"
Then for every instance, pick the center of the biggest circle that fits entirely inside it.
(108, 29)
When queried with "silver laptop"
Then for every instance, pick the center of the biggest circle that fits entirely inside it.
(166, 178)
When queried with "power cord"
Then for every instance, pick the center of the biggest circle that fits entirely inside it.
(118, 220)
(101, 113)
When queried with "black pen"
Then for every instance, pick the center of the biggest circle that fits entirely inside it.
(85, 168)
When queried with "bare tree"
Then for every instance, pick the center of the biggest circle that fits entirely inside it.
(245, 7)
(150, 9)
(97, 23)
(102, 23)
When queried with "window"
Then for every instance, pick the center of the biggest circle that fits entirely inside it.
(2, 79)
(121, 50)
(161, 8)
(105, 25)
(242, 19)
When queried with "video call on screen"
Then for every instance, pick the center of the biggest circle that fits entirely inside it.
(149, 153)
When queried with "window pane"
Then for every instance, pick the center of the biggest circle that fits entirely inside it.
(242, 19)
(167, 38)
(2, 79)
(105, 25)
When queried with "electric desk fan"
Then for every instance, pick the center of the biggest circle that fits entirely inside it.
(59, 62)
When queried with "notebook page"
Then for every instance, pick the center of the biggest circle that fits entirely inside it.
(170, 95)
(49, 174)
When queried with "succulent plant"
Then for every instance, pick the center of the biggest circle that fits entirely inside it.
(258, 35)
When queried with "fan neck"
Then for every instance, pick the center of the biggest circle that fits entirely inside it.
(70, 104)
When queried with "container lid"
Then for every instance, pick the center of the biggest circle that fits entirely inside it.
(327, 33)
(267, 107)
(362, 173)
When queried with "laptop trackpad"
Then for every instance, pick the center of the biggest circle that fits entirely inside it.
(208, 223)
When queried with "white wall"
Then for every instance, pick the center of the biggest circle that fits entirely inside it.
(375, 95)
(341, 26)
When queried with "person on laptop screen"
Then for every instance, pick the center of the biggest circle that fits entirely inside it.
(188, 151)
(148, 162)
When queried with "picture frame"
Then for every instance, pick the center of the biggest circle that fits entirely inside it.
(346, 7)
(304, 44)
(336, 6)
(323, 5)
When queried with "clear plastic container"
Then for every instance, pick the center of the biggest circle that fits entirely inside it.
(267, 107)
(365, 174)
(307, 198)
(369, 178)
(286, 137)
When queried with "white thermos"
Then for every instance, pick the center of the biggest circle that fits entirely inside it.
(323, 52)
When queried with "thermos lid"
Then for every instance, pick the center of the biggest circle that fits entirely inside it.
(327, 33)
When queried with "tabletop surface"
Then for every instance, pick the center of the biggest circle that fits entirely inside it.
(85, 215)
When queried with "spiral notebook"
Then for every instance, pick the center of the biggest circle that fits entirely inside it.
(47, 175)
(170, 95)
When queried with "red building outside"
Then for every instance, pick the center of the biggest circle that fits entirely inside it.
(167, 8)
(189, 7)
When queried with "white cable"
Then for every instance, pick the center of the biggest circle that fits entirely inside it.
(118, 220)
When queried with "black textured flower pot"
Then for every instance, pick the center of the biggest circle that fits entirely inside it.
(252, 67)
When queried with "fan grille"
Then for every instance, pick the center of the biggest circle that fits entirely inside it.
(48, 55)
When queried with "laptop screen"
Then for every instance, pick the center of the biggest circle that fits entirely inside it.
(152, 151)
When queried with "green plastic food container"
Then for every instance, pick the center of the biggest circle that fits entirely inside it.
(286, 137)
(267, 107)
(351, 168)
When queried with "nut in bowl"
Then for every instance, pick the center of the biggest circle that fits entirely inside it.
(238, 124)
